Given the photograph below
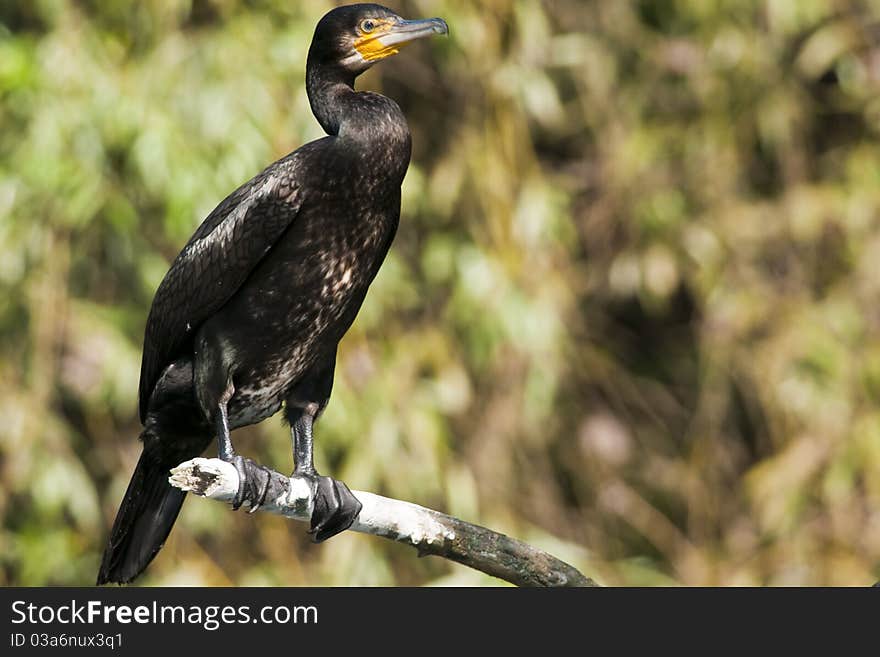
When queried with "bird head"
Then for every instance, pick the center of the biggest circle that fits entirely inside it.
(357, 36)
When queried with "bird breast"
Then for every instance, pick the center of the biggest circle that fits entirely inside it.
(302, 298)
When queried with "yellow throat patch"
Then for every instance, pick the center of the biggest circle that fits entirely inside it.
(370, 46)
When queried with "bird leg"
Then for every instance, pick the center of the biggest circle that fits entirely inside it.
(335, 507)
(253, 479)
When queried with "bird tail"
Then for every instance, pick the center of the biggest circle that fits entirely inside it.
(144, 519)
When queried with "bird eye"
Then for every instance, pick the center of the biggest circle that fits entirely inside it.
(367, 26)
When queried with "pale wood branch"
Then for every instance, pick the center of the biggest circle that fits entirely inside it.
(429, 531)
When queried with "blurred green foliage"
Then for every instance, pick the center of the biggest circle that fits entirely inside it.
(631, 314)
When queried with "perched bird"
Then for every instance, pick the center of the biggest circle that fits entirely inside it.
(249, 316)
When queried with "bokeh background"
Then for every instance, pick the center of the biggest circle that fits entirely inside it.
(632, 314)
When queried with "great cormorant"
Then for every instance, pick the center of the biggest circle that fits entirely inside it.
(248, 318)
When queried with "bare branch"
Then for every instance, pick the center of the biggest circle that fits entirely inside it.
(429, 531)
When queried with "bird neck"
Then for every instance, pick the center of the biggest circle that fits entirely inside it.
(370, 119)
(328, 88)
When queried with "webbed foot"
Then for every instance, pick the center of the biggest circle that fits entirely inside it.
(335, 508)
(253, 483)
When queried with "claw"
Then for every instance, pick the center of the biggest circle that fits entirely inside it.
(335, 509)
(253, 483)
(264, 489)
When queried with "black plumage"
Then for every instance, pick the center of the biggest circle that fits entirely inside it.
(249, 316)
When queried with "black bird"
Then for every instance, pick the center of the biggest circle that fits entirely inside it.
(249, 316)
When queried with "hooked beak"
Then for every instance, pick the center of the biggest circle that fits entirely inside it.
(404, 32)
(390, 38)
